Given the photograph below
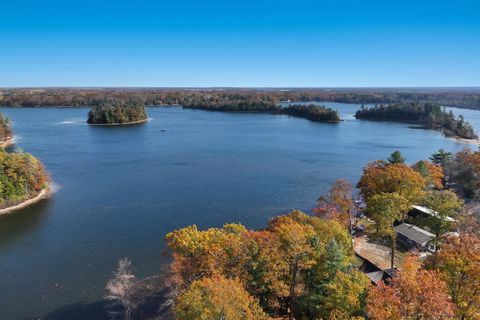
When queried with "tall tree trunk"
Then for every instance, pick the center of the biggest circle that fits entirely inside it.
(393, 239)
(350, 227)
(292, 290)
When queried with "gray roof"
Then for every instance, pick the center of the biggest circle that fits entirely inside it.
(381, 275)
(432, 213)
(414, 233)
(375, 276)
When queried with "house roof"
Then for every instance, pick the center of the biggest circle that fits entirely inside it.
(381, 275)
(375, 276)
(432, 213)
(414, 233)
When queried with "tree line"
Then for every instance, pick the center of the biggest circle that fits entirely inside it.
(430, 115)
(157, 96)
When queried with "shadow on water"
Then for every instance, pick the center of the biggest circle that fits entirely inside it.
(16, 224)
(79, 311)
(148, 310)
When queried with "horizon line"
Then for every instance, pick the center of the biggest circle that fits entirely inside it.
(239, 87)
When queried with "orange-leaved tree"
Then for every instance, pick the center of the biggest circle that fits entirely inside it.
(413, 294)
(382, 177)
(432, 173)
(459, 263)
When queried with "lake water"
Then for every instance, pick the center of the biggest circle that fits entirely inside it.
(120, 190)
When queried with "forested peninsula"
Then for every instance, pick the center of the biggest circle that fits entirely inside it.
(311, 112)
(23, 180)
(429, 115)
(117, 113)
(5, 131)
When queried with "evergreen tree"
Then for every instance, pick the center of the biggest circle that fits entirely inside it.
(396, 158)
(441, 157)
(422, 168)
(332, 261)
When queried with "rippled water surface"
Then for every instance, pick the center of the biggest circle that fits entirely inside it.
(121, 189)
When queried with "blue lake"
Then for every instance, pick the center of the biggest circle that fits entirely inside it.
(120, 190)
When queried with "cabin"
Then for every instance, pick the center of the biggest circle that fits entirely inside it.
(377, 277)
(426, 212)
(372, 271)
(413, 237)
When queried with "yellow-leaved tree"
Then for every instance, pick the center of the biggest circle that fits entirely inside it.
(218, 298)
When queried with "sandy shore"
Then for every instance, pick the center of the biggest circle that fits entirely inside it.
(118, 124)
(42, 195)
(463, 140)
(6, 143)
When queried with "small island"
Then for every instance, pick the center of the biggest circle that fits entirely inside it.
(114, 113)
(6, 133)
(427, 115)
(23, 181)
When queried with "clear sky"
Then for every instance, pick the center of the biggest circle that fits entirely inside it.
(245, 43)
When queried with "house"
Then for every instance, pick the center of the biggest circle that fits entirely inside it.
(372, 271)
(422, 211)
(412, 236)
(377, 277)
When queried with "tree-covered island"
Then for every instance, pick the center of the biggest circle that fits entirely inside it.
(429, 115)
(311, 112)
(117, 113)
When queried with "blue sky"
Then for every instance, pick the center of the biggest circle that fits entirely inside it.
(341, 43)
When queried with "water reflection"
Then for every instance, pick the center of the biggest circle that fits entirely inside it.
(15, 225)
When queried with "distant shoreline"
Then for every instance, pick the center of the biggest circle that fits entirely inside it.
(44, 193)
(118, 124)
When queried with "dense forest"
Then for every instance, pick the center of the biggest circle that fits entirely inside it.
(117, 112)
(463, 98)
(304, 266)
(311, 112)
(232, 103)
(21, 177)
(5, 128)
(430, 115)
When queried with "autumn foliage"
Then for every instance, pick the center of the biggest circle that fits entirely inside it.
(459, 265)
(382, 177)
(5, 128)
(432, 173)
(21, 176)
(300, 266)
(218, 298)
(297, 267)
(414, 293)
